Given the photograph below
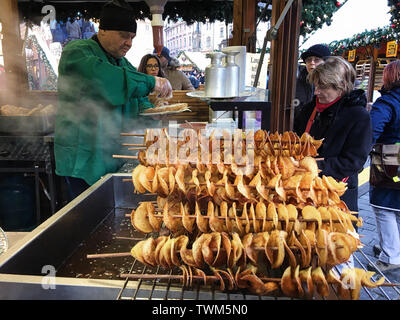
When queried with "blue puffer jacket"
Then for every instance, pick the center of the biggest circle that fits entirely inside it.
(385, 119)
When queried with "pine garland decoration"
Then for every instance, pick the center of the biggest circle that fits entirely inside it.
(315, 12)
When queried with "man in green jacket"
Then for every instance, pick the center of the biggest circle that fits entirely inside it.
(100, 95)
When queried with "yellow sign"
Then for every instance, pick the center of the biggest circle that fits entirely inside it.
(352, 55)
(391, 49)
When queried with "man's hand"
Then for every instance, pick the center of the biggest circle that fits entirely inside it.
(159, 102)
(163, 87)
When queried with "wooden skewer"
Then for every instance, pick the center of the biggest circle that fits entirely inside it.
(127, 254)
(137, 148)
(136, 157)
(124, 157)
(240, 218)
(251, 187)
(257, 140)
(129, 238)
(133, 134)
(108, 255)
(221, 148)
(133, 145)
(179, 277)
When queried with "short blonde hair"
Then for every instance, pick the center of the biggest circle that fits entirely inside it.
(335, 73)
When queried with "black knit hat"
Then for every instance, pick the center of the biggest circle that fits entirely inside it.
(317, 50)
(118, 16)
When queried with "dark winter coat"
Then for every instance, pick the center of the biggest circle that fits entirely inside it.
(304, 90)
(385, 119)
(346, 130)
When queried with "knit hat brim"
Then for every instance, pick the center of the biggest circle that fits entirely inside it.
(317, 50)
(114, 17)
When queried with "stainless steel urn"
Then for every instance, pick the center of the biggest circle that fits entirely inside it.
(215, 76)
(232, 75)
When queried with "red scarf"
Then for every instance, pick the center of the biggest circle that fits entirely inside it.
(319, 107)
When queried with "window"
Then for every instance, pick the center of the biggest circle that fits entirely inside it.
(221, 32)
(208, 42)
(184, 42)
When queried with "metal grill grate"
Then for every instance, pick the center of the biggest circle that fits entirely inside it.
(162, 289)
(23, 149)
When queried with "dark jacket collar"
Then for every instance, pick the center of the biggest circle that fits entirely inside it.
(354, 98)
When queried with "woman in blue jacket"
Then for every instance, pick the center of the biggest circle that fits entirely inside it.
(385, 118)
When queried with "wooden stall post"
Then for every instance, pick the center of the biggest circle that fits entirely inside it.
(237, 23)
(14, 60)
(157, 9)
(372, 72)
(284, 60)
(244, 24)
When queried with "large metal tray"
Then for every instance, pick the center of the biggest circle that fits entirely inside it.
(51, 261)
(27, 269)
(34, 125)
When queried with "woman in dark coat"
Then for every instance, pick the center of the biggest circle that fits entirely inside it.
(338, 115)
(385, 118)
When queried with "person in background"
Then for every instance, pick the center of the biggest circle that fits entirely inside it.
(58, 34)
(100, 95)
(385, 118)
(151, 64)
(312, 58)
(74, 30)
(87, 29)
(176, 77)
(202, 78)
(53, 27)
(338, 114)
(64, 30)
(193, 79)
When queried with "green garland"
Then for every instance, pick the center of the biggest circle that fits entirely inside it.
(395, 12)
(51, 83)
(373, 37)
(315, 12)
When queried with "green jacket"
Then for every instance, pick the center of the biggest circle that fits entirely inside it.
(99, 97)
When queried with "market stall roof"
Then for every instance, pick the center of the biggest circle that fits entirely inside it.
(355, 16)
(189, 10)
(196, 59)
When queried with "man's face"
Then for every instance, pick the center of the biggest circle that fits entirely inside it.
(116, 43)
(313, 62)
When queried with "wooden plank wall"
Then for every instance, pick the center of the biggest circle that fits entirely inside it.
(201, 111)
